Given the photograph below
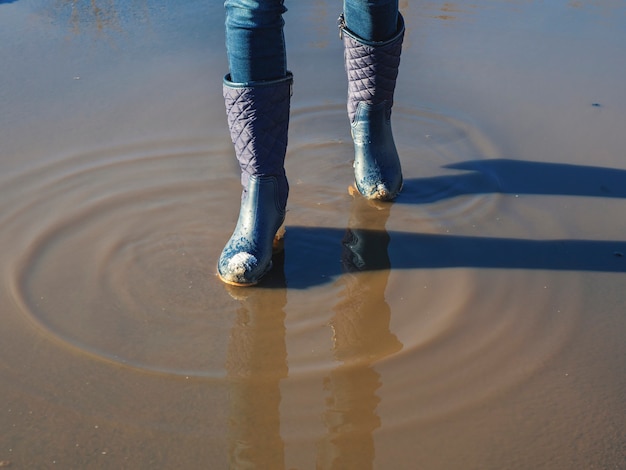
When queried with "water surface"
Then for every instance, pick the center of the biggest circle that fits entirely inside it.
(477, 322)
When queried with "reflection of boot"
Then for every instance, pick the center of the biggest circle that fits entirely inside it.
(361, 336)
(255, 365)
(366, 239)
(361, 322)
(372, 69)
(258, 118)
(350, 419)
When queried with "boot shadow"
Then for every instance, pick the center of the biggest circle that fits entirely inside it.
(321, 264)
(507, 176)
(313, 252)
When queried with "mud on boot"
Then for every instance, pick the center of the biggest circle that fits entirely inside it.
(247, 256)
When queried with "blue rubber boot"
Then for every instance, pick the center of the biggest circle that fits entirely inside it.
(258, 118)
(372, 69)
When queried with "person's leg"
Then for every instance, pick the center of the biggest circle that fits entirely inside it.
(257, 94)
(255, 43)
(371, 20)
(373, 31)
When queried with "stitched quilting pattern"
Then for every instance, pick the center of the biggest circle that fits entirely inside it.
(372, 72)
(258, 118)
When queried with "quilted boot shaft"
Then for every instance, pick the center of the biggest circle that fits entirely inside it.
(258, 119)
(372, 70)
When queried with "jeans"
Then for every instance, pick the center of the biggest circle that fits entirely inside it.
(255, 43)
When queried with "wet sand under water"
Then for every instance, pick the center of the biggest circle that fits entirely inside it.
(477, 322)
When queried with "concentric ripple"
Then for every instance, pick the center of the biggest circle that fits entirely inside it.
(437, 341)
(116, 251)
(440, 336)
(462, 351)
(119, 262)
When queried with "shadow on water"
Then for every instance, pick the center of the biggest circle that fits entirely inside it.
(314, 253)
(516, 177)
(426, 251)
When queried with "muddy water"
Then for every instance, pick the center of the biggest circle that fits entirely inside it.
(477, 322)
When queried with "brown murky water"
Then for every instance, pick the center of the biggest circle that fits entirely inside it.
(478, 322)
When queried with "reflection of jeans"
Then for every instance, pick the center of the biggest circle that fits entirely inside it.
(255, 43)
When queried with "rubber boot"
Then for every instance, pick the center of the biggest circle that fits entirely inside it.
(258, 119)
(372, 69)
